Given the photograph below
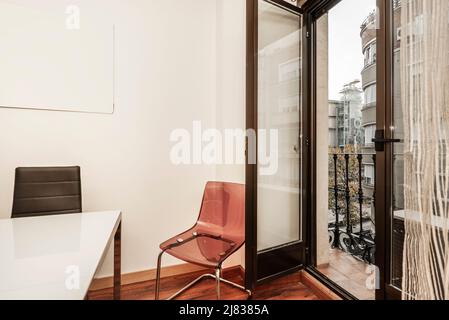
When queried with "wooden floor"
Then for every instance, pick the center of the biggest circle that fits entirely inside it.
(287, 288)
(349, 273)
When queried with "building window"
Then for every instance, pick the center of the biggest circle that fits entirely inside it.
(370, 54)
(370, 94)
(370, 132)
(369, 174)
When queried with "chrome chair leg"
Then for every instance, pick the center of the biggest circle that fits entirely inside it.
(218, 276)
(237, 286)
(158, 275)
(218, 283)
(190, 285)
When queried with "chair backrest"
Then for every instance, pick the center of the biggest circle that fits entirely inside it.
(223, 210)
(47, 191)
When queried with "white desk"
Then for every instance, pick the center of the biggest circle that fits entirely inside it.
(41, 257)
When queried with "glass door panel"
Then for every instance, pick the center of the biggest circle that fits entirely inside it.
(346, 104)
(397, 205)
(279, 244)
(279, 111)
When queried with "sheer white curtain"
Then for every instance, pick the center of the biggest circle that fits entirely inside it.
(425, 84)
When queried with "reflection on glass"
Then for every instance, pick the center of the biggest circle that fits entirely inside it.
(397, 223)
(279, 105)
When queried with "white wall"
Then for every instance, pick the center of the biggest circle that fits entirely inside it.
(172, 69)
(231, 83)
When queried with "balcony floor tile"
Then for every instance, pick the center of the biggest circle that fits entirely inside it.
(349, 273)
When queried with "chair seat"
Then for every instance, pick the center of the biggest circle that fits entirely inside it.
(205, 249)
(218, 233)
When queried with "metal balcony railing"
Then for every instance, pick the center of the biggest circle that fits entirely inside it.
(371, 19)
(373, 15)
(353, 229)
(396, 4)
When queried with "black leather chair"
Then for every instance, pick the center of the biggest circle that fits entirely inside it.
(47, 191)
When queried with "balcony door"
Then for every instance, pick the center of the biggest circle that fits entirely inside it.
(344, 79)
(275, 179)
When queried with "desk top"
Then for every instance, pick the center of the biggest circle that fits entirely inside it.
(53, 257)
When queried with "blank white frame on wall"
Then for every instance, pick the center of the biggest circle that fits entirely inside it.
(47, 64)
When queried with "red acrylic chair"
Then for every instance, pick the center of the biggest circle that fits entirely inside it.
(218, 233)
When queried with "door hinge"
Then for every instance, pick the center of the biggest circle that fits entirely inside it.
(307, 34)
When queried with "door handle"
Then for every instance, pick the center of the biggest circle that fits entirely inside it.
(380, 141)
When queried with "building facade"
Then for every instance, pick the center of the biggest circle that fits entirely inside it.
(334, 105)
(369, 87)
(369, 110)
(345, 117)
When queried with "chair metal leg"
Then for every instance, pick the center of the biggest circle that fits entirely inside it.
(158, 275)
(218, 280)
(191, 284)
(235, 285)
(218, 277)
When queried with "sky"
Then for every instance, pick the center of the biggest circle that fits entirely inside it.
(345, 45)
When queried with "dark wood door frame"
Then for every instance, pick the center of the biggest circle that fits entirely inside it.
(383, 86)
(384, 160)
(313, 11)
(255, 274)
(251, 122)
(384, 165)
